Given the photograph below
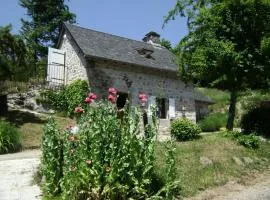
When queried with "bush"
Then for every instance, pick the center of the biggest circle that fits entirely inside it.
(66, 98)
(106, 157)
(75, 94)
(250, 141)
(213, 122)
(257, 120)
(56, 99)
(52, 158)
(10, 139)
(184, 129)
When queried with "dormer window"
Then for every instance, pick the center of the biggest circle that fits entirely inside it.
(147, 53)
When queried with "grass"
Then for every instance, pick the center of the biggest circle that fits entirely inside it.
(31, 126)
(221, 98)
(244, 100)
(195, 177)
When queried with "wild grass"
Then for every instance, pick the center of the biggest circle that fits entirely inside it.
(221, 99)
(194, 177)
(31, 126)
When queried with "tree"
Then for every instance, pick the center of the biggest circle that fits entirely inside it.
(227, 46)
(166, 43)
(46, 17)
(13, 65)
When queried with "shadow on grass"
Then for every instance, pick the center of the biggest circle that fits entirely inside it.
(19, 118)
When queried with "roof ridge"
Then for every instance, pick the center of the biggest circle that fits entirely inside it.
(76, 25)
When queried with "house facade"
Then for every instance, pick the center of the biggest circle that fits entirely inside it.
(132, 67)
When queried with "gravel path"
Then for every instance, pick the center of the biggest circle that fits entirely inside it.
(16, 176)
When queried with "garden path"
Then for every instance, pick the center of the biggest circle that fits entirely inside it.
(16, 176)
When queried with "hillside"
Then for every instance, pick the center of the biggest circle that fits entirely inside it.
(246, 100)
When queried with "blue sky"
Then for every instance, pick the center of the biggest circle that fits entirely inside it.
(127, 18)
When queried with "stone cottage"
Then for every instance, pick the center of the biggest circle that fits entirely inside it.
(131, 66)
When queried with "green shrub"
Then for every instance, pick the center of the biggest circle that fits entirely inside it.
(10, 139)
(252, 99)
(75, 94)
(54, 98)
(52, 158)
(250, 141)
(184, 129)
(257, 120)
(67, 98)
(106, 157)
(213, 122)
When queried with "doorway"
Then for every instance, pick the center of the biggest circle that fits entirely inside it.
(121, 100)
(162, 108)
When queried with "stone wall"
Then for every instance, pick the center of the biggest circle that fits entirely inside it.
(27, 100)
(75, 62)
(133, 80)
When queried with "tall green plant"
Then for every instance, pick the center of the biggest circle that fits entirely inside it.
(52, 158)
(10, 139)
(105, 156)
(110, 161)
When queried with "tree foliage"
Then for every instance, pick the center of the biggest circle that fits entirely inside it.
(13, 63)
(42, 30)
(227, 46)
(166, 43)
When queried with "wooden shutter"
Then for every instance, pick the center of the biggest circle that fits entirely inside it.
(171, 108)
(56, 67)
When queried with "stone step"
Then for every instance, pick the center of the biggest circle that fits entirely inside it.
(164, 122)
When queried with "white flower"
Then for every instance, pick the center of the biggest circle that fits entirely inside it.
(74, 129)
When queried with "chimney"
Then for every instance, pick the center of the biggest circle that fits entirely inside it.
(152, 38)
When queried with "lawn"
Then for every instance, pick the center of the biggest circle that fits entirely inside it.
(31, 126)
(194, 177)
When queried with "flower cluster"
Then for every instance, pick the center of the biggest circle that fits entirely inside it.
(112, 97)
(79, 110)
(143, 98)
(90, 99)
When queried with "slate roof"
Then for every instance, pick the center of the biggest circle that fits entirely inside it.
(198, 96)
(110, 47)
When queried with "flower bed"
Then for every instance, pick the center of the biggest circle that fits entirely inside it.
(105, 156)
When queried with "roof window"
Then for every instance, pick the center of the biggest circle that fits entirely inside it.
(147, 53)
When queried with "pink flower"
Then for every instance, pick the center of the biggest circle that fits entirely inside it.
(143, 98)
(112, 98)
(112, 91)
(92, 96)
(88, 100)
(79, 109)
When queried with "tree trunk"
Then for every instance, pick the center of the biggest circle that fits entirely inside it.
(231, 113)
